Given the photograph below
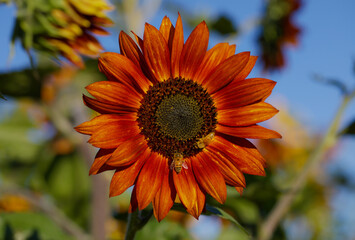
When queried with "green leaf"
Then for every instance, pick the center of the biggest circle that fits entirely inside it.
(349, 130)
(8, 232)
(211, 210)
(223, 25)
(34, 235)
(1, 96)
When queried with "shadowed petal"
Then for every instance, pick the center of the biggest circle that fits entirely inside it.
(247, 69)
(130, 49)
(139, 41)
(150, 179)
(106, 107)
(129, 151)
(232, 175)
(156, 53)
(165, 197)
(176, 48)
(133, 205)
(245, 146)
(125, 177)
(167, 30)
(119, 68)
(209, 177)
(241, 93)
(194, 51)
(252, 131)
(247, 115)
(212, 59)
(240, 190)
(240, 156)
(100, 159)
(225, 72)
(114, 92)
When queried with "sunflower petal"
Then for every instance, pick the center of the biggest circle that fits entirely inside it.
(133, 205)
(246, 147)
(212, 59)
(194, 51)
(252, 131)
(232, 175)
(125, 177)
(150, 179)
(165, 197)
(198, 205)
(130, 49)
(113, 134)
(100, 159)
(246, 115)
(176, 48)
(240, 190)
(129, 151)
(241, 93)
(239, 156)
(114, 92)
(209, 177)
(225, 72)
(186, 185)
(106, 107)
(139, 41)
(156, 53)
(247, 69)
(89, 127)
(121, 69)
(167, 30)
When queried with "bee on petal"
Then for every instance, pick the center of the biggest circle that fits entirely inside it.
(205, 141)
(178, 162)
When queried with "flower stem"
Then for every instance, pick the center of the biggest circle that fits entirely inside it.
(135, 223)
(284, 203)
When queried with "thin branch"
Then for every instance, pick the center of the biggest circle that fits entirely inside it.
(284, 204)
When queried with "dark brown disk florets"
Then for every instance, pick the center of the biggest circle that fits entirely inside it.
(174, 114)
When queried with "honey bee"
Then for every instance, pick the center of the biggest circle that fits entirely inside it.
(178, 162)
(205, 141)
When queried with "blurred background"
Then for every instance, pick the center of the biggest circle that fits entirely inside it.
(49, 54)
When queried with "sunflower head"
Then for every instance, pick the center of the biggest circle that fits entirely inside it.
(174, 118)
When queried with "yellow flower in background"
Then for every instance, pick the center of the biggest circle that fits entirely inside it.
(62, 28)
(13, 203)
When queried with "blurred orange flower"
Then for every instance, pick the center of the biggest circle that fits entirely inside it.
(174, 118)
(278, 30)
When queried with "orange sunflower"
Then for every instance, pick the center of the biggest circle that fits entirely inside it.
(174, 118)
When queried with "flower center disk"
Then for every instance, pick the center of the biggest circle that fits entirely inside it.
(179, 117)
(174, 114)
